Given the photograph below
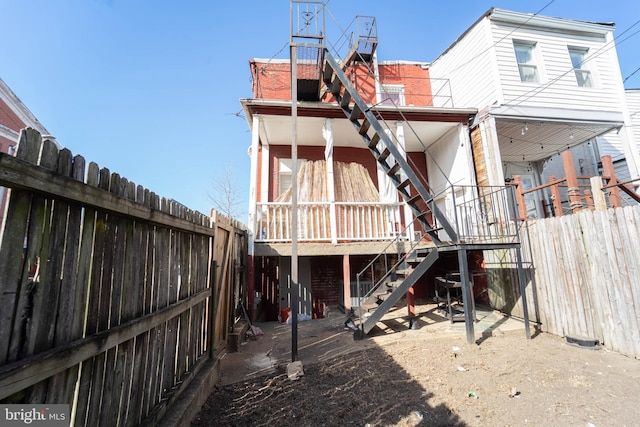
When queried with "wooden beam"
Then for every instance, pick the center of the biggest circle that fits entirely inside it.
(555, 196)
(522, 207)
(572, 182)
(16, 173)
(610, 173)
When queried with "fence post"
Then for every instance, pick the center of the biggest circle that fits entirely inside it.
(599, 201)
(610, 174)
(555, 195)
(572, 182)
(522, 207)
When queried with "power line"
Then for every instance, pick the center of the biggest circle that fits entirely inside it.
(630, 75)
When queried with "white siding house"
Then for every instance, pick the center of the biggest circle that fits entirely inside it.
(542, 85)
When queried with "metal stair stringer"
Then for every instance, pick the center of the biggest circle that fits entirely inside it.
(360, 107)
(417, 272)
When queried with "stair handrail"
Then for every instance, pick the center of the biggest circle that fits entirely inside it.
(376, 284)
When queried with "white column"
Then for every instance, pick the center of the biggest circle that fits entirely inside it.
(408, 216)
(327, 133)
(253, 195)
(491, 148)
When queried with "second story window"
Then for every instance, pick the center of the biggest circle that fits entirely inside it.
(525, 56)
(392, 95)
(578, 57)
(285, 174)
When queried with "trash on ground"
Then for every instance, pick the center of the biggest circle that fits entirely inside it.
(294, 370)
(472, 394)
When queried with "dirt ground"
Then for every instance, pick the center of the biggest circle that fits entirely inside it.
(428, 376)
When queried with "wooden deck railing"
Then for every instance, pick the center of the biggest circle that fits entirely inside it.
(580, 192)
(328, 222)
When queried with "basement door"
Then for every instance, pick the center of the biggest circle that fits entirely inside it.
(304, 285)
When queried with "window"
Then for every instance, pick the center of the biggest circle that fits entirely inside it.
(525, 56)
(578, 57)
(392, 95)
(285, 168)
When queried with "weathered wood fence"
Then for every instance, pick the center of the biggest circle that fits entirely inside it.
(583, 276)
(587, 276)
(112, 298)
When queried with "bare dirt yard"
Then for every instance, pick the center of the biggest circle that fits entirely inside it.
(423, 377)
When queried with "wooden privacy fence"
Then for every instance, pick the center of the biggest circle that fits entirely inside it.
(111, 299)
(587, 276)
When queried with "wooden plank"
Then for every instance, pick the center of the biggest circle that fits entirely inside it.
(18, 375)
(631, 249)
(116, 357)
(590, 239)
(84, 301)
(103, 294)
(22, 285)
(62, 386)
(129, 303)
(629, 328)
(91, 383)
(47, 282)
(151, 396)
(603, 276)
(141, 282)
(185, 290)
(12, 286)
(21, 175)
(608, 277)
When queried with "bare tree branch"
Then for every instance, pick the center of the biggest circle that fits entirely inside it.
(225, 195)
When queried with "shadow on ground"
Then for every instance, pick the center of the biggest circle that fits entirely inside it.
(365, 387)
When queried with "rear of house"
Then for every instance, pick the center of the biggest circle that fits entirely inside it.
(349, 211)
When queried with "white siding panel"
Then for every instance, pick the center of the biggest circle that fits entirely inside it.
(469, 65)
(633, 102)
(610, 144)
(558, 86)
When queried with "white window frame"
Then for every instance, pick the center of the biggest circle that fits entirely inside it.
(532, 64)
(389, 90)
(285, 170)
(584, 76)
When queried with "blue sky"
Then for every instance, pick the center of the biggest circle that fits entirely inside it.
(149, 88)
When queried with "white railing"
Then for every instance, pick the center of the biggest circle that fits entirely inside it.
(329, 222)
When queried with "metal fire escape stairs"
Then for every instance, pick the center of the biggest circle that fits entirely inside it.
(420, 200)
(311, 65)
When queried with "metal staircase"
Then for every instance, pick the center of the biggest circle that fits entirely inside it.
(359, 114)
(481, 217)
(392, 286)
(421, 201)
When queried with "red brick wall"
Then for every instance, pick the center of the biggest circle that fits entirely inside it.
(273, 81)
(416, 81)
(326, 282)
(9, 119)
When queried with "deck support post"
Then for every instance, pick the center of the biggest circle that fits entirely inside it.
(467, 298)
(523, 293)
